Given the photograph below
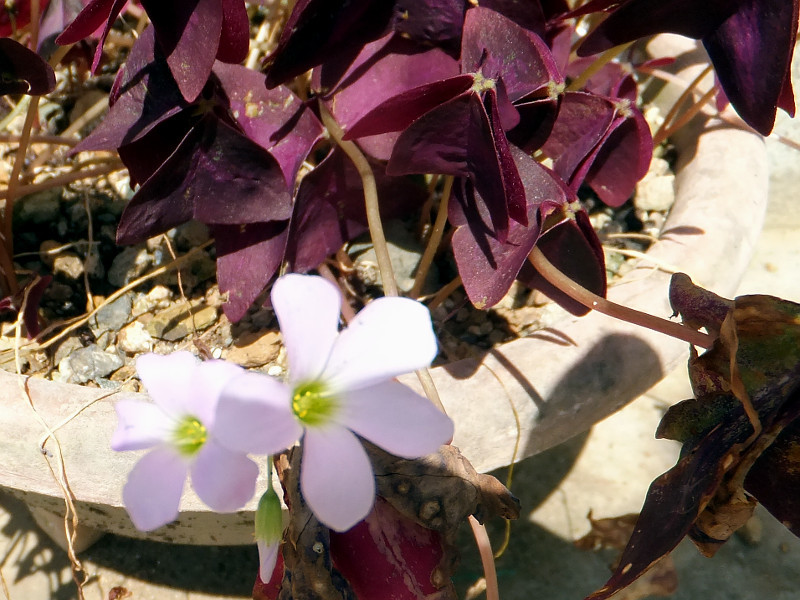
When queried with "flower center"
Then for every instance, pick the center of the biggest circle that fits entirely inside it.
(190, 435)
(481, 84)
(312, 403)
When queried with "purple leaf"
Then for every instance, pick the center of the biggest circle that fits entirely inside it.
(750, 44)
(496, 47)
(234, 41)
(752, 53)
(276, 119)
(487, 265)
(430, 21)
(574, 249)
(622, 161)
(144, 95)
(384, 69)
(188, 34)
(88, 21)
(248, 256)
(329, 209)
(30, 295)
(217, 176)
(318, 30)
(22, 71)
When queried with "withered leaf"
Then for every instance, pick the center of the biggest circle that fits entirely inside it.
(740, 434)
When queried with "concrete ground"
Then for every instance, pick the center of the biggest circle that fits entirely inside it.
(607, 470)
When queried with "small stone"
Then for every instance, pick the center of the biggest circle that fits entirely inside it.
(68, 265)
(159, 297)
(191, 234)
(656, 191)
(65, 348)
(47, 251)
(180, 320)
(134, 339)
(255, 349)
(129, 264)
(275, 371)
(113, 315)
(38, 208)
(89, 363)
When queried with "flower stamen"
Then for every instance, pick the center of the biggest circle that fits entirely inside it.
(190, 435)
(312, 403)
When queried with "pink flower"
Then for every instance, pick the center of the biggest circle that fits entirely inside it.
(179, 427)
(340, 386)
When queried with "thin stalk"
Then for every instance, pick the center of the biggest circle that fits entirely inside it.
(593, 301)
(684, 118)
(670, 116)
(443, 293)
(370, 199)
(59, 180)
(434, 240)
(487, 558)
(601, 61)
(376, 230)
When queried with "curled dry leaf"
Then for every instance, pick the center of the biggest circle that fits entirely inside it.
(739, 434)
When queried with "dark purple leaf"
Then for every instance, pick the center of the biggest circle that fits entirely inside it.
(430, 21)
(574, 249)
(399, 112)
(496, 47)
(30, 295)
(385, 68)
(751, 52)
(634, 19)
(144, 95)
(528, 14)
(216, 176)
(276, 119)
(234, 41)
(88, 21)
(750, 44)
(248, 256)
(329, 210)
(318, 30)
(486, 265)
(16, 14)
(583, 119)
(622, 161)
(188, 34)
(22, 71)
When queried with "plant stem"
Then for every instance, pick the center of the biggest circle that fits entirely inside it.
(434, 239)
(670, 116)
(370, 200)
(65, 178)
(684, 118)
(487, 558)
(593, 301)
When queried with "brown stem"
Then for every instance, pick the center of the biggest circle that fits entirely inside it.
(666, 132)
(434, 240)
(668, 118)
(59, 180)
(593, 301)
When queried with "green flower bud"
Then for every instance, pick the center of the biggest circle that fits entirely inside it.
(269, 518)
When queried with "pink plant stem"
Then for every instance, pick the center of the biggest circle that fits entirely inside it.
(594, 302)
(487, 558)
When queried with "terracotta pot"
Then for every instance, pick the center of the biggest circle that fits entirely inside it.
(557, 390)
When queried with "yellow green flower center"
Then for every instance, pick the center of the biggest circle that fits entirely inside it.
(481, 84)
(190, 435)
(313, 403)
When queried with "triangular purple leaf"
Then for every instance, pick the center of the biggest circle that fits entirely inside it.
(88, 21)
(234, 41)
(248, 256)
(188, 34)
(22, 71)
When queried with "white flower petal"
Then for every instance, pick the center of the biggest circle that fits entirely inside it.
(308, 310)
(388, 337)
(267, 557)
(153, 491)
(141, 425)
(202, 395)
(223, 479)
(167, 379)
(336, 477)
(396, 418)
(254, 415)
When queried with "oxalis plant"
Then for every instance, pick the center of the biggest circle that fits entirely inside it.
(367, 111)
